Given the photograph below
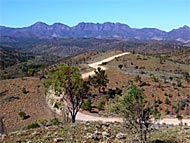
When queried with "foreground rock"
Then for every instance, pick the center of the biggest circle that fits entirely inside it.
(91, 132)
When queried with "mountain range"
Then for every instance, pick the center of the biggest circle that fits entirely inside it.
(105, 30)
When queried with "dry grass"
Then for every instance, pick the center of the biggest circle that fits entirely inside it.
(32, 102)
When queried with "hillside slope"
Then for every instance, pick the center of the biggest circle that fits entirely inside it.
(22, 95)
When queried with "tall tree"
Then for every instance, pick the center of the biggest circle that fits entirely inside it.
(136, 112)
(99, 79)
(67, 80)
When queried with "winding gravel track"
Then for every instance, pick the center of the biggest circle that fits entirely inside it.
(97, 64)
(84, 117)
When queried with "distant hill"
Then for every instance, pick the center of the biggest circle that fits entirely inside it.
(96, 30)
(64, 47)
(10, 57)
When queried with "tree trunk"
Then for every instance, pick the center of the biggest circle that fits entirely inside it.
(141, 134)
(99, 89)
(73, 118)
(145, 135)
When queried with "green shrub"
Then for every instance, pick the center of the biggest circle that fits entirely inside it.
(24, 90)
(170, 95)
(31, 72)
(182, 105)
(33, 125)
(55, 121)
(22, 114)
(101, 105)
(179, 83)
(187, 77)
(57, 105)
(43, 122)
(167, 101)
(87, 105)
(137, 78)
(159, 101)
(174, 84)
(107, 97)
(179, 117)
(155, 79)
(118, 91)
(167, 111)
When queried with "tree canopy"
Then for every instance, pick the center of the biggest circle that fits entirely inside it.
(99, 79)
(67, 80)
(137, 113)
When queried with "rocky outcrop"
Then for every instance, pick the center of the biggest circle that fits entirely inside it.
(93, 132)
(54, 101)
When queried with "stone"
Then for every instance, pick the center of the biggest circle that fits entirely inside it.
(98, 126)
(106, 124)
(2, 136)
(35, 133)
(85, 129)
(120, 136)
(97, 132)
(89, 136)
(56, 133)
(56, 140)
(48, 135)
(105, 134)
(87, 123)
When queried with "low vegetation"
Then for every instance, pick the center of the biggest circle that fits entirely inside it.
(136, 87)
(99, 80)
(95, 132)
(87, 105)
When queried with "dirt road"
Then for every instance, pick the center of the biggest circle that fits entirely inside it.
(97, 64)
(84, 117)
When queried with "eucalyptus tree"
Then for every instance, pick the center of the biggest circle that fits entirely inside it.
(67, 80)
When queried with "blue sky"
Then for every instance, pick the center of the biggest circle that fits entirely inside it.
(162, 14)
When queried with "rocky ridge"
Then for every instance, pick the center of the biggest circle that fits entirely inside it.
(96, 30)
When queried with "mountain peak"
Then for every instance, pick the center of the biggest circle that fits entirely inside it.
(186, 27)
(96, 30)
(182, 33)
(39, 24)
(58, 25)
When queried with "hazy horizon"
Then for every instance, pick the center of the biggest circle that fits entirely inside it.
(162, 14)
